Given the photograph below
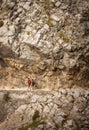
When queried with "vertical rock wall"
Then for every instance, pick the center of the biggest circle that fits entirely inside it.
(52, 36)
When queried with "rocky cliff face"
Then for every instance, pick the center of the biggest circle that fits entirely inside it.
(50, 38)
(47, 40)
(64, 109)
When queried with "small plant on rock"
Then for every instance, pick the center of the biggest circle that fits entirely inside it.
(36, 115)
(36, 121)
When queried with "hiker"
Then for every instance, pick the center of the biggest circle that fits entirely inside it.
(33, 83)
(29, 82)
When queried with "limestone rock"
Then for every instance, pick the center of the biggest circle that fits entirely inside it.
(50, 30)
(50, 110)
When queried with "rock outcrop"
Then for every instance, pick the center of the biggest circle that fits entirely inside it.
(47, 40)
(64, 109)
(51, 37)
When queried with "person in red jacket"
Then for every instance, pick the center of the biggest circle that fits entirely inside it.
(29, 82)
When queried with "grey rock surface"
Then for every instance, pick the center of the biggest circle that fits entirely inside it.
(64, 109)
(48, 41)
(54, 32)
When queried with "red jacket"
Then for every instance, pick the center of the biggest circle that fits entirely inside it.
(29, 81)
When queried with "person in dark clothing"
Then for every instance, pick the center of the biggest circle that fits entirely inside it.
(33, 83)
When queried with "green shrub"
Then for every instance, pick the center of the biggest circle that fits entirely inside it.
(32, 125)
(36, 115)
(35, 123)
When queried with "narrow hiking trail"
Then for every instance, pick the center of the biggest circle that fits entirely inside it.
(48, 41)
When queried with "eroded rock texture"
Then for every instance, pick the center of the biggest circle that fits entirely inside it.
(47, 40)
(51, 40)
(64, 109)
